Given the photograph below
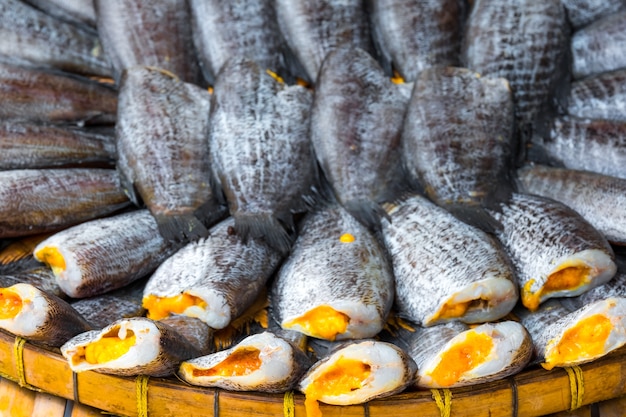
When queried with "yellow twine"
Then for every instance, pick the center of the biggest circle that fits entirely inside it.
(444, 402)
(289, 406)
(142, 395)
(576, 386)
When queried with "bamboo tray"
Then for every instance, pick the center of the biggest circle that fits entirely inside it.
(534, 392)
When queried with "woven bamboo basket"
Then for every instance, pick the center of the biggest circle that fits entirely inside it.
(534, 392)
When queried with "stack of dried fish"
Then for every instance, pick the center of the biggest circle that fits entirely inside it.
(433, 162)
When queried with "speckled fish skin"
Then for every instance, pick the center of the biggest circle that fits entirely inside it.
(280, 366)
(458, 141)
(313, 29)
(35, 201)
(583, 12)
(39, 276)
(353, 278)
(222, 270)
(520, 40)
(542, 237)
(104, 254)
(38, 95)
(356, 123)
(157, 352)
(224, 29)
(197, 332)
(30, 36)
(155, 33)
(42, 318)
(600, 47)
(75, 11)
(412, 35)
(594, 145)
(439, 261)
(602, 96)
(261, 153)
(162, 146)
(26, 145)
(598, 198)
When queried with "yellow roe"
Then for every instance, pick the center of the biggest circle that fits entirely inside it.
(243, 361)
(10, 304)
(109, 347)
(161, 307)
(323, 322)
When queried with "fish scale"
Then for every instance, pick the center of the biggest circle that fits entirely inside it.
(601, 96)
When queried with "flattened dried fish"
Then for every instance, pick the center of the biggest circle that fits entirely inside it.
(602, 96)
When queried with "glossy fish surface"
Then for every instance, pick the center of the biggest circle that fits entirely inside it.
(35, 201)
(601, 96)
(356, 123)
(163, 154)
(445, 270)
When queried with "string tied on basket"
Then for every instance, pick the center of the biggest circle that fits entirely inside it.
(141, 384)
(443, 399)
(18, 354)
(576, 386)
(289, 405)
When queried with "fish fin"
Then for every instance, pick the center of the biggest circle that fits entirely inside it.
(476, 216)
(367, 212)
(181, 227)
(267, 226)
(211, 212)
(129, 189)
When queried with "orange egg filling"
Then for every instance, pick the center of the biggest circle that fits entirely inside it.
(568, 278)
(10, 304)
(109, 347)
(241, 362)
(451, 310)
(161, 307)
(585, 340)
(51, 257)
(462, 357)
(323, 322)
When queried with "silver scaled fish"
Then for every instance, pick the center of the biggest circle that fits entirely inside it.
(601, 96)
(582, 12)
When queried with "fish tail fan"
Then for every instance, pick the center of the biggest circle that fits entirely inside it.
(181, 228)
(267, 227)
(367, 212)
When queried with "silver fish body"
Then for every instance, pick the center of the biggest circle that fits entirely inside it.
(582, 12)
(446, 270)
(75, 11)
(601, 96)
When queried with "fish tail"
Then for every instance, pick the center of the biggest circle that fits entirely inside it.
(367, 212)
(181, 227)
(266, 226)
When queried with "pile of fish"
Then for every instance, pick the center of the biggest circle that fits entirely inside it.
(348, 198)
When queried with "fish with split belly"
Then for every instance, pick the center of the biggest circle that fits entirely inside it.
(458, 143)
(337, 282)
(356, 123)
(163, 154)
(260, 149)
(556, 252)
(39, 317)
(445, 270)
(34, 201)
(601, 96)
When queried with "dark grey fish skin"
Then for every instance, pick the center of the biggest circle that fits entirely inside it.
(600, 47)
(412, 35)
(224, 29)
(82, 12)
(600, 199)
(458, 143)
(26, 145)
(37, 95)
(197, 332)
(261, 153)
(163, 154)
(602, 96)
(555, 251)
(39, 276)
(155, 33)
(356, 124)
(583, 12)
(31, 37)
(523, 41)
(313, 29)
(43, 200)
(594, 145)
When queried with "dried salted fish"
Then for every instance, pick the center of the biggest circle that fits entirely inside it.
(129, 347)
(261, 362)
(598, 198)
(105, 254)
(616, 287)
(260, 150)
(37, 316)
(356, 123)
(76, 11)
(601, 96)
(412, 35)
(337, 282)
(197, 332)
(25, 145)
(445, 270)
(214, 279)
(583, 12)
(35, 201)
(163, 153)
(39, 276)
(556, 252)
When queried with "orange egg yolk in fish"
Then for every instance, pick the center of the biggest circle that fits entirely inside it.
(584, 340)
(343, 377)
(51, 257)
(462, 357)
(451, 310)
(241, 362)
(323, 322)
(109, 347)
(568, 278)
(10, 304)
(161, 307)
